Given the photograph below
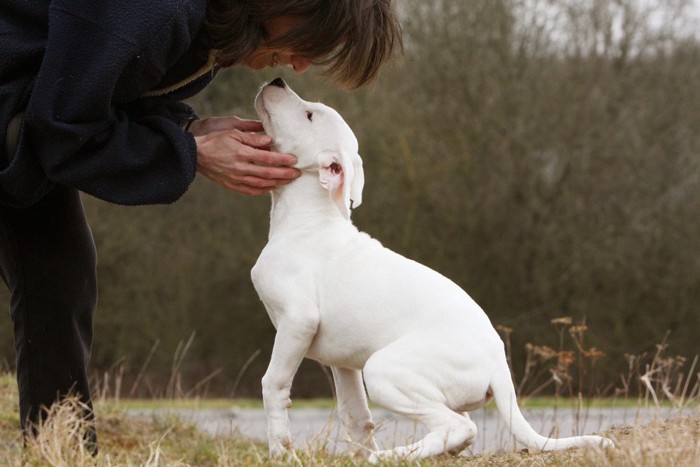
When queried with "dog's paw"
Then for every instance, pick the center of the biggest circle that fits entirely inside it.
(283, 449)
(606, 443)
(373, 458)
(376, 457)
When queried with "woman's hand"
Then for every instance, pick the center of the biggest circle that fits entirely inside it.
(210, 124)
(231, 156)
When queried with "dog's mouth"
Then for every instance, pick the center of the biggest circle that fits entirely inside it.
(262, 111)
(265, 119)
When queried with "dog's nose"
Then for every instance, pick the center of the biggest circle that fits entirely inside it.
(279, 82)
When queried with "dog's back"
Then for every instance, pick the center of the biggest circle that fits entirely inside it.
(370, 296)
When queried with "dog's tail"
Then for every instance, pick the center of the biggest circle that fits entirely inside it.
(505, 399)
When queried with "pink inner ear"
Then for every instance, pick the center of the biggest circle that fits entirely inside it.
(335, 168)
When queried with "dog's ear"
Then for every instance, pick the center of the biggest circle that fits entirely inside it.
(342, 175)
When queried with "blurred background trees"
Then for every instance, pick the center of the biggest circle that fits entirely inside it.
(543, 154)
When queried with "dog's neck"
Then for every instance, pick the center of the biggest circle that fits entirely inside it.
(303, 205)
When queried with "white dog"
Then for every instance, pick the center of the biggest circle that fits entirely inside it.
(425, 348)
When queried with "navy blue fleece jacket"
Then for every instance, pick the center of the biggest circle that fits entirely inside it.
(100, 83)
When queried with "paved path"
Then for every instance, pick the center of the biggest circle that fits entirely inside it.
(320, 427)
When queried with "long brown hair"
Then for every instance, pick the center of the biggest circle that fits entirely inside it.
(351, 39)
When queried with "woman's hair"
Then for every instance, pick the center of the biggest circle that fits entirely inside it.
(350, 38)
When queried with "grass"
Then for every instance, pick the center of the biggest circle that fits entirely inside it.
(170, 441)
(198, 403)
(328, 403)
(659, 380)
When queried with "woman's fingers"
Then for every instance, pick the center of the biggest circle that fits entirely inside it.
(237, 161)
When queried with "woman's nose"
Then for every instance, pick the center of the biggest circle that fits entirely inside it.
(300, 64)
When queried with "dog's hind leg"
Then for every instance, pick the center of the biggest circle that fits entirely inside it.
(407, 391)
(353, 409)
(449, 431)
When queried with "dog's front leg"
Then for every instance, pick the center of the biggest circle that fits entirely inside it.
(353, 409)
(294, 336)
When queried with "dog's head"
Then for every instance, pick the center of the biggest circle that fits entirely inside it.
(318, 136)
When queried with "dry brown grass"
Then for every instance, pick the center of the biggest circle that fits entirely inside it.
(661, 443)
(128, 441)
(651, 380)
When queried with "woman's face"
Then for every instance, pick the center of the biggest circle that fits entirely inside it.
(265, 56)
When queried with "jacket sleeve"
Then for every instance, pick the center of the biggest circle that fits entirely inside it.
(80, 122)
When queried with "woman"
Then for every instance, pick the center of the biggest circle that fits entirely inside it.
(90, 99)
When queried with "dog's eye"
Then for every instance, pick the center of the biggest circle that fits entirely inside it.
(310, 115)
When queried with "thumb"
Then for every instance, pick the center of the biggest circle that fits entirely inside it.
(248, 125)
(254, 140)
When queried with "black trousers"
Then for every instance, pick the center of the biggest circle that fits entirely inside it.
(47, 260)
